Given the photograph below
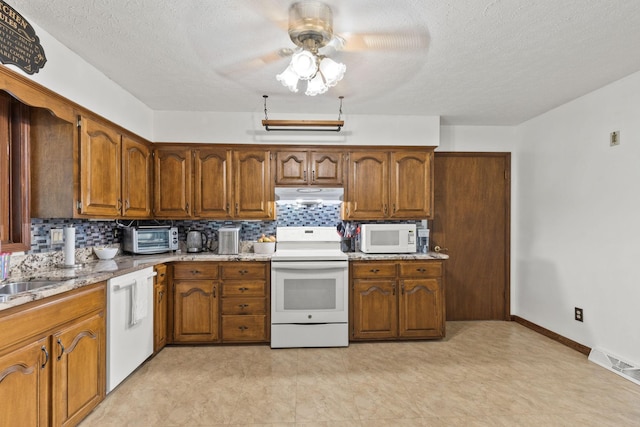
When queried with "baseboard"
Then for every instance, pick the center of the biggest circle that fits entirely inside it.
(554, 336)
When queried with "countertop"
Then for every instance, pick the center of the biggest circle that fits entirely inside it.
(67, 279)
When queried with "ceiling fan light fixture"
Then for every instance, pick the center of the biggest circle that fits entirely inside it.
(332, 71)
(304, 64)
(316, 86)
(289, 79)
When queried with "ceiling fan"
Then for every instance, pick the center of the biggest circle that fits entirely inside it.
(310, 28)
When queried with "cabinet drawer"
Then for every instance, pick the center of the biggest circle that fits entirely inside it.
(367, 270)
(243, 328)
(244, 270)
(195, 270)
(244, 306)
(246, 288)
(421, 269)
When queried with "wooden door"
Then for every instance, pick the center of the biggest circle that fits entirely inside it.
(212, 196)
(471, 221)
(24, 385)
(291, 168)
(137, 179)
(375, 309)
(78, 370)
(327, 168)
(195, 317)
(368, 186)
(100, 161)
(252, 188)
(411, 188)
(420, 308)
(172, 183)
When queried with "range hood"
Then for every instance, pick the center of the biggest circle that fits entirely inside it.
(309, 195)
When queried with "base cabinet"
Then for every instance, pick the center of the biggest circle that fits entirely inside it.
(160, 308)
(397, 300)
(53, 359)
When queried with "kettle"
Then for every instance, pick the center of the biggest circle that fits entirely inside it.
(196, 241)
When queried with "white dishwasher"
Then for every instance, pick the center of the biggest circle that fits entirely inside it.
(129, 324)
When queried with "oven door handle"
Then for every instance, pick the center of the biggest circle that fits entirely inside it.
(304, 265)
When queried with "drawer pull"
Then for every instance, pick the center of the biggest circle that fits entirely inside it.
(243, 328)
(243, 289)
(374, 270)
(243, 306)
(195, 272)
(243, 271)
(421, 270)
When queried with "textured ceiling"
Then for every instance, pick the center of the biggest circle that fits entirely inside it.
(487, 62)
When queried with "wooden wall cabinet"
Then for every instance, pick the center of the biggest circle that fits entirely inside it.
(215, 183)
(96, 172)
(195, 302)
(53, 359)
(389, 185)
(397, 300)
(160, 298)
(311, 167)
(245, 301)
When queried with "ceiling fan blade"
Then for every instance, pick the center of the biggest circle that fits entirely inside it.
(384, 41)
(249, 65)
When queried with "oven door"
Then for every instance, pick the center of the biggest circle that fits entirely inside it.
(309, 292)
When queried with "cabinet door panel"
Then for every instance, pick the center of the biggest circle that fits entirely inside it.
(421, 308)
(196, 311)
(253, 192)
(136, 179)
(368, 186)
(411, 184)
(79, 370)
(172, 183)
(374, 309)
(291, 168)
(24, 385)
(211, 183)
(326, 168)
(99, 169)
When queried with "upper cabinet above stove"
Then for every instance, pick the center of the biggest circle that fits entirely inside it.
(309, 167)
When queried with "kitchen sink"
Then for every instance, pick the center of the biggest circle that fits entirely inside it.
(13, 288)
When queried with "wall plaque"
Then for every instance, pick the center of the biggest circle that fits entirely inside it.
(19, 44)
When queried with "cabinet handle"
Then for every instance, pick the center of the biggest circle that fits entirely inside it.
(61, 349)
(160, 294)
(421, 270)
(374, 270)
(386, 210)
(243, 328)
(214, 292)
(194, 272)
(186, 208)
(394, 208)
(127, 204)
(237, 209)
(402, 288)
(46, 356)
(304, 176)
(243, 271)
(227, 208)
(243, 306)
(119, 204)
(394, 289)
(243, 289)
(313, 175)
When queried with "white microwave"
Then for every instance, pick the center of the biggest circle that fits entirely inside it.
(388, 238)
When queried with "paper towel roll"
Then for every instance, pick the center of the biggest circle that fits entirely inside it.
(70, 246)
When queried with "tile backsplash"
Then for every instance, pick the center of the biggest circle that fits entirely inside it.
(97, 233)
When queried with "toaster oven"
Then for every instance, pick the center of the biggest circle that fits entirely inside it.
(149, 239)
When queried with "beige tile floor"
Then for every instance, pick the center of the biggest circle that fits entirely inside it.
(482, 374)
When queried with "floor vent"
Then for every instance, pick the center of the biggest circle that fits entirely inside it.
(615, 364)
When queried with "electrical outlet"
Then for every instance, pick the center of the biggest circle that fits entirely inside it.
(614, 138)
(578, 314)
(57, 236)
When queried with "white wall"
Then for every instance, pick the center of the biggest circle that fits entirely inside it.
(246, 128)
(478, 138)
(72, 77)
(578, 229)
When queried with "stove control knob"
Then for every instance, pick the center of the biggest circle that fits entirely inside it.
(309, 316)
